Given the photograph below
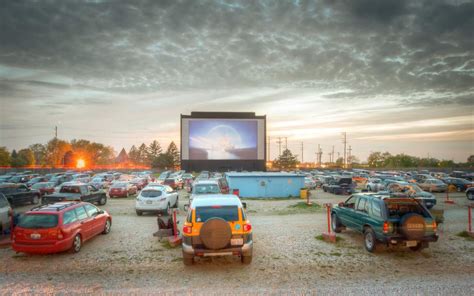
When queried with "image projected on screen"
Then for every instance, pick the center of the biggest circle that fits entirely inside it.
(222, 139)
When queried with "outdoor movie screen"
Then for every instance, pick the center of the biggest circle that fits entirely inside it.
(222, 139)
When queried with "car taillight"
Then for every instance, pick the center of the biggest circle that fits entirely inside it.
(187, 229)
(247, 227)
(387, 227)
(434, 226)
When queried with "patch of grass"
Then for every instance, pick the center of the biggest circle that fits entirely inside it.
(166, 244)
(465, 234)
(300, 208)
(337, 254)
(321, 238)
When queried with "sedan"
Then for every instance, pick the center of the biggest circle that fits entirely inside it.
(44, 187)
(122, 189)
(156, 199)
(433, 185)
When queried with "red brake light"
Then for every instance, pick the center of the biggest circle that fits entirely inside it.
(187, 229)
(247, 227)
(387, 227)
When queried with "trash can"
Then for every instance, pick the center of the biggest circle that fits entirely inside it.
(304, 193)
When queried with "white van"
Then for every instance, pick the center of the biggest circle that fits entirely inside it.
(4, 216)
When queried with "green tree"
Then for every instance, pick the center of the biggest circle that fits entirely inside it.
(340, 161)
(133, 155)
(470, 159)
(143, 154)
(55, 151)
(5, 159)
(163, 161)
(154, 151)
(39, 150)
(286, 160)
(24, 157)
(173, 153)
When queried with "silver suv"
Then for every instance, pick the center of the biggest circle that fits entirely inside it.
(5, 209)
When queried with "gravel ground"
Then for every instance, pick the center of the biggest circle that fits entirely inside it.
(288, 259)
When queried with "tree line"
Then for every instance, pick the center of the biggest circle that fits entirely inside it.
(59, 153)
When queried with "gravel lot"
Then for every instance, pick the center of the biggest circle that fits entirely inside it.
(288, 259)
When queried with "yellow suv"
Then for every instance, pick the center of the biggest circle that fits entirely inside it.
(216, 225)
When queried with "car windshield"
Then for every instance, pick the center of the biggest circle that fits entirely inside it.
(119, 185)
(228, 213)
(35, 221)
(97, 180)
(206, 189)
(70, 189)
(151, 193)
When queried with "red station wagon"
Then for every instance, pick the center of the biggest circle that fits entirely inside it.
(59, 227)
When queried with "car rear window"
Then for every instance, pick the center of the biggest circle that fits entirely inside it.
(36, 221)
(206, 189)
(228, 213)
(399, 208)
(70, 189)
(151, 193)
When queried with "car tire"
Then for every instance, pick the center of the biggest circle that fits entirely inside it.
(107, 226)
(103, 200)
(370, 240)
(167, 211)
(335, 224)
(246, 259)
(470, 195)
(35, 200)
(417, 248)
(188, 261)
(76, 244)
(139, 213)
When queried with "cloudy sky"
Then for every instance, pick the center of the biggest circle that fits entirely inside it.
(395, 75)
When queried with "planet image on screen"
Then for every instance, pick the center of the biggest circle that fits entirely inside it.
(224, 140)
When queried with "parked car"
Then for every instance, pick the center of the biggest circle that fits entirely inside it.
(59, 227)
(122, 189)
(392, 221)
(19, 194)
(223, 185)
(433, 185)
(309, 183)
(19, 179)
(216, 225)
(155, 199)
(77, 192)
(470, 193)
(457, 184)
(100, 182)
(35, 180)
(163, 177)
(403, 189)
(44, 187)
(339, 185)
(374, 184)
(58, 180)
(5, 212)
(173, 183)
(140, 183)
(204, 187)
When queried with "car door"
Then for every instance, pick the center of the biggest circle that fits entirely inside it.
(360, 215)
(4, 209)
(87, 223)
(98, 221)
(21, 194)
(346, 211)
(171, 195)
(94, 194)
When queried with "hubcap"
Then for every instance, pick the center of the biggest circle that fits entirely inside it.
(77, 243)
(333, 222)
(107, 226)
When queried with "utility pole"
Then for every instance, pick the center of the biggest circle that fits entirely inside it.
(331, 155)
(279, 145)
(286, 143)
(56, 132)
(344, 140)
(320, 155)
(349, 157)
(302, 147)
(268, 148)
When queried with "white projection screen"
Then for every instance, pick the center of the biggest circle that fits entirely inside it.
(222, 139)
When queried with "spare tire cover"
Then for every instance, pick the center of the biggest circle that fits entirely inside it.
(215, 233)
(413, 226)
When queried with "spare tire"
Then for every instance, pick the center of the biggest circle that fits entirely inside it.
(413, 226)
(215, 234)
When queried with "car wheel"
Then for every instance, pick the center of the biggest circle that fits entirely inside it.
(417, 248)
(246, 259)
(35, 200)
(470, 195)
(103, 200)
(107, 226)
(369, 239)
(335, 224)
(76, 243)
(139, 213)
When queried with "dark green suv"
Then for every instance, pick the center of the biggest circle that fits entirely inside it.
(390, 220)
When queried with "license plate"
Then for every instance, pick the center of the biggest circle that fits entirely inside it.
(149, 202)
(35, 236)
(237, 241)
(412, 243)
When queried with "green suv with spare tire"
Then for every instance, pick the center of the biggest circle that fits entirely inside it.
(384, 219)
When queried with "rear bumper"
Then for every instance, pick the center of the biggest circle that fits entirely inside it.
(245, 250)
(59, 246)
(398, 240)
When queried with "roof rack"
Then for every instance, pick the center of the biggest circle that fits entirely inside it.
(59, 208)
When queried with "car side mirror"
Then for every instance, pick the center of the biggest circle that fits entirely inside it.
(244, 204)
(101, 212)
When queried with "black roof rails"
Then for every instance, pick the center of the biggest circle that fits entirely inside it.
(59, 208)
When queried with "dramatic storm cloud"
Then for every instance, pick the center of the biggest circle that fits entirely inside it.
(396, 75)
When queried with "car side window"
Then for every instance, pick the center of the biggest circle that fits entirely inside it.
(91, 188)
(376, 210)
(69, 217)
(91, 210)
(81, 213)
(3, 201)
(21, 189)
(361, 205)
(350, 202)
